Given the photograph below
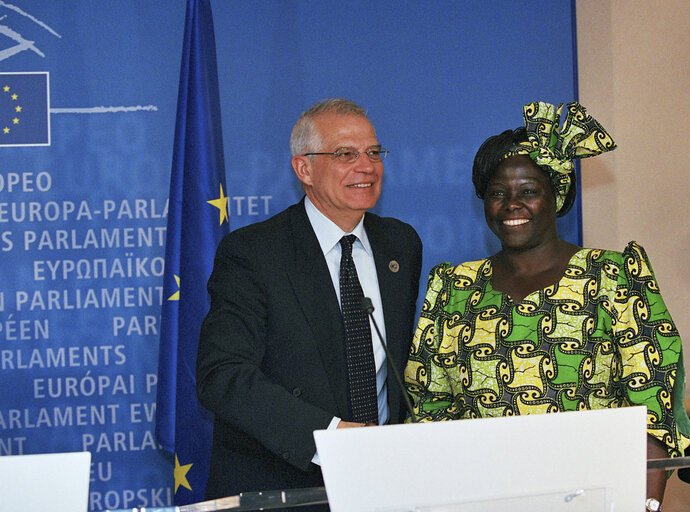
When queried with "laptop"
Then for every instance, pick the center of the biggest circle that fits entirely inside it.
(51, 482)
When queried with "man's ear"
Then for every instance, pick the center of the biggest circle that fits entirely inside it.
(302, 165)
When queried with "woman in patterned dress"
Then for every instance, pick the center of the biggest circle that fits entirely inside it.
(543, 325)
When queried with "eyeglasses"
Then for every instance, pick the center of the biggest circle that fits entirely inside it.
(349, 155)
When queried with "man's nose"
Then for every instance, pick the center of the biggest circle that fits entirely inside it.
(364, 164)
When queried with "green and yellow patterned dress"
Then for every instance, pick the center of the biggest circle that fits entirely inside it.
(601, 337)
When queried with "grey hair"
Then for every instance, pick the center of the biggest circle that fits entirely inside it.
(305, 137)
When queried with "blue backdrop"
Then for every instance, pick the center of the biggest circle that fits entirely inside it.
(83, 212)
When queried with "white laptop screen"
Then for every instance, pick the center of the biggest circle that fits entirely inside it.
(55, 482)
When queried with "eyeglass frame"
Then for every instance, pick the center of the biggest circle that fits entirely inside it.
(383, 153)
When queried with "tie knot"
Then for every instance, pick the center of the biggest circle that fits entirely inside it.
(346, 244)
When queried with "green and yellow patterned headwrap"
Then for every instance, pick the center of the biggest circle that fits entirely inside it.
(554, 149)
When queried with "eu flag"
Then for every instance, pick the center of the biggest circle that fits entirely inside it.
(24, 109)
(197, 220)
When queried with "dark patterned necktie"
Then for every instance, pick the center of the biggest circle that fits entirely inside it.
(361, 369)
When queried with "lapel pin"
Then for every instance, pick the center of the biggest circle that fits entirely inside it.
(394, 266)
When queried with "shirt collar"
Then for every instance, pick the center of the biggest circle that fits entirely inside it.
(328, 233)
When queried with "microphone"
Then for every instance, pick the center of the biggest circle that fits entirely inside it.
(368, 308)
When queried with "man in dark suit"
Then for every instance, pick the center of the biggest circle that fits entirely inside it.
(273, 365)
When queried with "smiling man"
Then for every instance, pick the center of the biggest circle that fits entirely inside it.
(286, 348)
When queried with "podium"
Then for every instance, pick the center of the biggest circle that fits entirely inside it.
(592, 461)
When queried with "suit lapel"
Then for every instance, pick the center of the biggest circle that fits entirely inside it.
(392, 285)
(313, 288)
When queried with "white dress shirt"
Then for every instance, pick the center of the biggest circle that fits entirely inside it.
(329, 234)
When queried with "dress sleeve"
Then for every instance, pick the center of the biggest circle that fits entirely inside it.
(651, 351)
(424, 377)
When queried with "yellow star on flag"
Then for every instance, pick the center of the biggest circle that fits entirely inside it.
(222, 204)
(180, 473)
(18, 108)
(6, 88)
(5, 130)
(176, 295)
(15, 120)
(14, 97)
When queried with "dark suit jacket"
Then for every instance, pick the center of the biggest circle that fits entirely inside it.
(271, 361)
